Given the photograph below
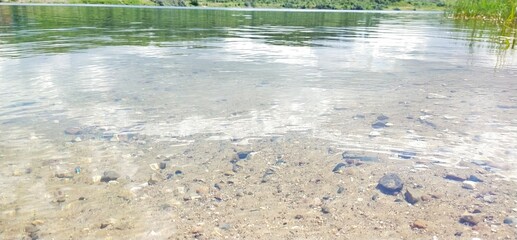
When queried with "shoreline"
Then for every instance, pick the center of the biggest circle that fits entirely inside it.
(251, 9)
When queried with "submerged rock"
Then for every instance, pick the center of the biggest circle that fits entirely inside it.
(473, 178)
(163, 165)
(347, 156)
(379, 124)
(244, 155)
(420, 224)
(510, 220)
(339, 168)
(411, 197)
(390, 184)
(267, 175)
(469, 219)
(454, 177)
(73, 131)
(404, 154)
(469, 185)
(110, 176)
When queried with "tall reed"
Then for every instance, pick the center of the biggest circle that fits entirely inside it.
(497, 10)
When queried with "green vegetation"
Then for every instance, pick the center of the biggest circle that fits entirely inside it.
(500, 13)
(499, 10)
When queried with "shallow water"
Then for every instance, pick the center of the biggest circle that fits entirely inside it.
(178, 76)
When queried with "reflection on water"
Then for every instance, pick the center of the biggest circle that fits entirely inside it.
(243, 74)
(178, 76)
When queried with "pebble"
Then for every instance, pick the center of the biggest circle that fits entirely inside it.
(224, 226)
(420, 224)
(379, 124)
(64, 175)
(375, 197)
(203, 190)
(347, 156)
(435, 96)
(510, 220)
(340, 189)
(325, 210)
(411, 197)
(17, 173)
(267, 175)
(163, 165)
(244, 155)
(454, 177)
(405, 154)
(374, 134)
(235, 167)
(32, 231)
(469, 185)
(382, 117)
(473, 178)
(155, 178)
(110, 176)
(96, 179)
(73, 131)
(339, 168)
(469, 219)
(489, 199)
(77, 139)
(390, 184)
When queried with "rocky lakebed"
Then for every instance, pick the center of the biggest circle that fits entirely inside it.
(120, 186)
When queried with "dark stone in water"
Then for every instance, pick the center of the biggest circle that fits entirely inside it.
(267, 175)
(510, 220)
(346, 155)
(110, 176)
(21, 104)
(163, 165)
(325, 210)
(411, 197)
(236, 167)
(280, 162)
(470, 219)
(243, 155)
(379, 124)
(382, 117)
(358, 116)
(73, 131)
(405, 154)
(454, 177)
(506, 107)
(473, 178)
(425, 122)
(178, 172)
(338, 168)
(390, 184)
(169, 176)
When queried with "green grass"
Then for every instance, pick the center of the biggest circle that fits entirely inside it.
(497, 10)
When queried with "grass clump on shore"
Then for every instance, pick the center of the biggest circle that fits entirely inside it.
(497, 10)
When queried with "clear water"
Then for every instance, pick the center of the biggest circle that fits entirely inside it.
(178, 76)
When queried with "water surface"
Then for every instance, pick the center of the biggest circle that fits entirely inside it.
(180, 76)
